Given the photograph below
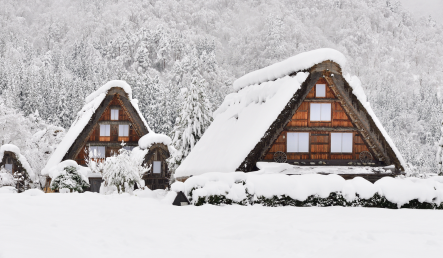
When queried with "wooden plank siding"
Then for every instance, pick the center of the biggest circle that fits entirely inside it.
(319, 132)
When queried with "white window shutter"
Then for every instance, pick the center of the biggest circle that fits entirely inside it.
(326, 112)
(303, 142)
(336, 142)
(292, 142)
(315, 112)
(157, 167)
(346, 142)
(320, 90)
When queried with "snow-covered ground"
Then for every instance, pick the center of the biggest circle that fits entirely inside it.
(93, 225)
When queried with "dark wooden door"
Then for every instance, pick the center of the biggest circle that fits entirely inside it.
(95, 184)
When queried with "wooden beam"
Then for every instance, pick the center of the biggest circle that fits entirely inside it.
(331, 129)
(111, 144)
(115, 122)
(322, 100)
(356, 119)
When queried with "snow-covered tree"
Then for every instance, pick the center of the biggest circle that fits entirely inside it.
(440, 154)
(70, 179)
(6, 178)
(124, 170)
(195, 117)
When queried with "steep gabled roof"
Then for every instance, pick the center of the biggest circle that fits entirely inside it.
(248, 121)
(95, 104)
(24, 162)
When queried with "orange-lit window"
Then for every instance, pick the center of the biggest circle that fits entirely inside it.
(105, 133)
(123, 133)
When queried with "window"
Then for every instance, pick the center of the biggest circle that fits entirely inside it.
(123, 133)
(341, 142)
(157, 167)
(8, 164)
(320, 112)
(97, 152)
(114, 114)
(123, 130)
(129, 148)
(105, 132)
(297, 142)
(320, 90)
(8, 167)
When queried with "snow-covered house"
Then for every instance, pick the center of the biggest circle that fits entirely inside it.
(16, 165)
(109, 116)
(159, 149)
(302, 111)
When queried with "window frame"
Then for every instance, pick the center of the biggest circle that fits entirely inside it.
(321, 105)
(97, 147)
(153, 167)
(120, 130)
(341, 143)
(107, 130)
(113, 110)
(9, 165)
(298, 142)
(316, 90)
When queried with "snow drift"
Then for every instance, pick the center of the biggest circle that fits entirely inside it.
(247, 187)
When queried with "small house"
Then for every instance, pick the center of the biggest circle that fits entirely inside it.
(158, 148)
(15, 164)
(303, 111)
(109, 117)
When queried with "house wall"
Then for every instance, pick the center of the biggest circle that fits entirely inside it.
(320, 132)
(112, 143)
(157, 152)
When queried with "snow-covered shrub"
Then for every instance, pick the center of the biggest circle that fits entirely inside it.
(312, 190)
(71, 180)
(68, 174)
(124, 170)
(6, 178)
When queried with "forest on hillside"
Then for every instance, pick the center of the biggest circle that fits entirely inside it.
(54, 53)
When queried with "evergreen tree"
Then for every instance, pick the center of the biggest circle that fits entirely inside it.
(195, 117)
(440, 154)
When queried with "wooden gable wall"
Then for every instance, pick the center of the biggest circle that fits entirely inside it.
(320, 132)
(113, 142)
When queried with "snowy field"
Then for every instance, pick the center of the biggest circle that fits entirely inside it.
(93, 225)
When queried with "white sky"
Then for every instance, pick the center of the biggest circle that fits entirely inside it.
(424, 8)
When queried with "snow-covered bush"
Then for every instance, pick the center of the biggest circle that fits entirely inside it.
(68, 174)
(123, 171)
(312, 190)
(6, 178)
(440, 154)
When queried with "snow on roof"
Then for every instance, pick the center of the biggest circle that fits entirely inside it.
(288, 169)
(149, 139)
(244, 117)
(239, 124)
(21, 158)
(293, 64)
(357, 90)
(92, 102)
